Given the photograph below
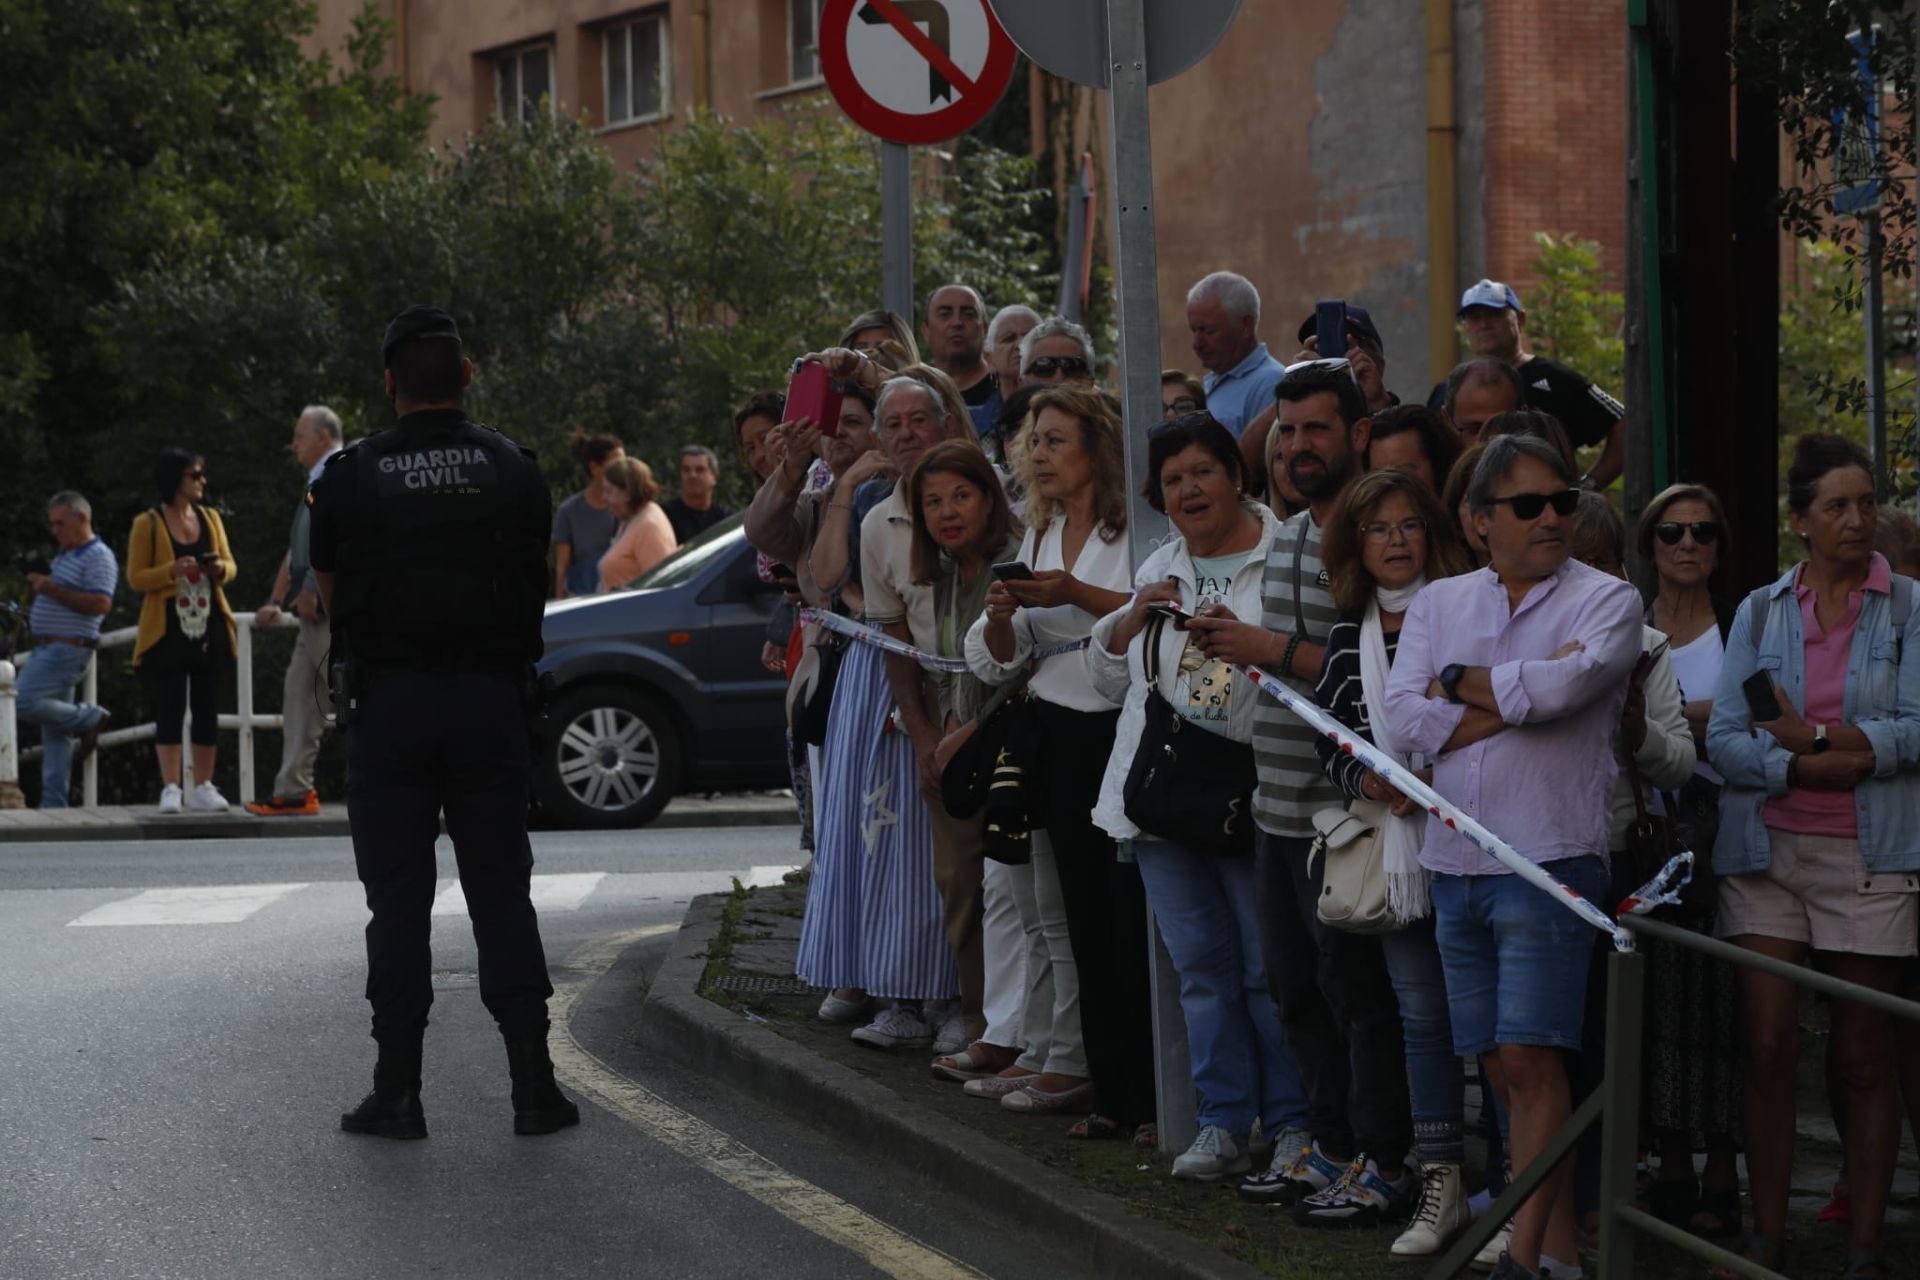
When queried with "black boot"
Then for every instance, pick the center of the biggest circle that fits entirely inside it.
(538, 1104)
(392, 1110)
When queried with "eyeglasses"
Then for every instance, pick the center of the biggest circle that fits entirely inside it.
(1185, 404)
(1705, 532)
(1047, 366)
(1528, 506)
(1324, 362)
(1381, 531)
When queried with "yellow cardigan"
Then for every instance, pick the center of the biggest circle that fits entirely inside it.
(150, 570)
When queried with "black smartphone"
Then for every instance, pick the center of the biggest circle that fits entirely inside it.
(1330, 327)
(1167, 609)
(1012, 571)
(1760, 700)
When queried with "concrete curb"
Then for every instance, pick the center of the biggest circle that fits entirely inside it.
(997, 1179)
(20, 826)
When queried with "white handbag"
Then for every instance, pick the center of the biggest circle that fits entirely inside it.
(1353, 884)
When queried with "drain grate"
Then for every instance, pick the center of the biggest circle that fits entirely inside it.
(741, 982)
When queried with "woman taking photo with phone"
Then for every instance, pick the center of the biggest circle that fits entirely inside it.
(178, 556)
(1204, 900)
(1073, 473)
(1813, 729)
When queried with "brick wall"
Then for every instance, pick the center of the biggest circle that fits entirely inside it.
(1556, 143)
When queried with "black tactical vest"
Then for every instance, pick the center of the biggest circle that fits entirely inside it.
(441, 564)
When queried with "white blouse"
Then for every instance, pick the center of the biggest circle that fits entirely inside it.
(1063, 679)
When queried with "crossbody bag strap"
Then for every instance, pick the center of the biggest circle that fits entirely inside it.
(1150, 656)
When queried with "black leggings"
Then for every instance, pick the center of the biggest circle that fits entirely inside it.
(170, 684)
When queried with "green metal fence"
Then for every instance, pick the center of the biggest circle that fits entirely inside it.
(1616, 1105)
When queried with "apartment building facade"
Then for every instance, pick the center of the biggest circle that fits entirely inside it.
(1386, 151)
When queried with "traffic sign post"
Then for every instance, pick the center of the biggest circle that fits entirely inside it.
(911, 72)
(1124, 46)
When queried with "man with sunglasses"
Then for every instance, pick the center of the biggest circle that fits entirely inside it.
(1512, 678)
(1223, 314)
(1054, 352)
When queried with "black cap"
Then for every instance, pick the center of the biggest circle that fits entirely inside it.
(1359, 325)
(416, 322)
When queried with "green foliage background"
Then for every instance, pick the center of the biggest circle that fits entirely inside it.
(203, 231)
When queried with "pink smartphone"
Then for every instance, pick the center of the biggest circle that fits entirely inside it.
(811, 394)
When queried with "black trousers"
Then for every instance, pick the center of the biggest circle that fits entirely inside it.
(1342, 1017)
(453, 741)
(1106, 907)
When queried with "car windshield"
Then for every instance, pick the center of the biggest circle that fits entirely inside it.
(691, 558)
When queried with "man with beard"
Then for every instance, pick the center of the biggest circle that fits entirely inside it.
(1332, 988)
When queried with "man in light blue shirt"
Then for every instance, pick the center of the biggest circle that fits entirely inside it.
(67, 604)
(1223, 312)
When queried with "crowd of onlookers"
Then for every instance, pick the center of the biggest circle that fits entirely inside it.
(1017, 747)
(1028, 746)
(180, 563)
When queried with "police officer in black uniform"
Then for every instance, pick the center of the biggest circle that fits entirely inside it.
(429, 545)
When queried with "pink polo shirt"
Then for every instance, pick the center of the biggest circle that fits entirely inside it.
(1826, 813)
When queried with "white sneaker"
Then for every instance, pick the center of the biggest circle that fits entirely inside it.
(1489, 1257)
(206, 798)
(170, 799)
(1214, 1154)
(834, 1009)
(952, 1034)
(897, 1027)
(1438, 1217)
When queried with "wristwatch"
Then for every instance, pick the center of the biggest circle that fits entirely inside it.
(1450, 677)
(1820, 739)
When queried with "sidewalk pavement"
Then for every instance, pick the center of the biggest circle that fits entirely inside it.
(141, 822)
(726, 1002)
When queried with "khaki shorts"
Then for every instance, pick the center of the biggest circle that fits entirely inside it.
(1817, 891)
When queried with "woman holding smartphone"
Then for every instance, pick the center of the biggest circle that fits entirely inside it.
(178, 556)
(1073, 473)
(1816, 729)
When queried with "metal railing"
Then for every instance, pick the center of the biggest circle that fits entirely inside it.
(244, 721)
(1616, 1106)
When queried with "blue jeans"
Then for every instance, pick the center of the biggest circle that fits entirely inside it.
(47, 686)
(1207, 909)
(1434, 1079)
(1515, 959)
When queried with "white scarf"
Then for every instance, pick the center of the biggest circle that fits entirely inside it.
(1408, 893)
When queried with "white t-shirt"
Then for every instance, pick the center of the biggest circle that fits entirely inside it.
(1697, 667)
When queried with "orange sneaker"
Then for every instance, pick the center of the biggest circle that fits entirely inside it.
(306, 806)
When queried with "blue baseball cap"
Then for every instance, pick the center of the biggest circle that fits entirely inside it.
(1491, 293)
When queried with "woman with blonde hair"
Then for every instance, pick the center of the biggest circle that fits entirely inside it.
(645, 536)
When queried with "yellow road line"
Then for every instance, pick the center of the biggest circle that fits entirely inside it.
(881, 1246)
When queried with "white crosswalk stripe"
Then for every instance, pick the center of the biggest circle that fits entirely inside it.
(235, 903)
(195, 904)
(549, 893)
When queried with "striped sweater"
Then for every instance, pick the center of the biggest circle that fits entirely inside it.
(1340, 693)
(1292, 785)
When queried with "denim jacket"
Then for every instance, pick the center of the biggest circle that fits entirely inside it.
(1882, 700)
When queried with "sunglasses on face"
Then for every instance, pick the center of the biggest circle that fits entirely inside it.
(1185, 404)
(1528, 506)
(197, 473)
(1705, 532)
(1047, 366)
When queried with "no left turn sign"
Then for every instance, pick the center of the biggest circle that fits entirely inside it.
(915, 71)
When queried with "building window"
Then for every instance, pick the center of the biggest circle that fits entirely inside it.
(521, 79)
(803, 41)
(636, 54)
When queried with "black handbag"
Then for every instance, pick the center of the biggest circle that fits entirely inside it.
(1187, 784)
(810, 696)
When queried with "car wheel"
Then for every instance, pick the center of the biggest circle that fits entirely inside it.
(610, 758)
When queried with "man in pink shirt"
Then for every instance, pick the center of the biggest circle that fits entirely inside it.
(1512, 679)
